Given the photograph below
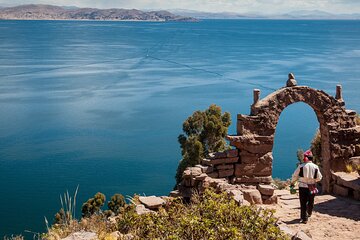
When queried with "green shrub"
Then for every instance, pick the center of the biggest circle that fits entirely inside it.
(316, 148)
(93, 205)
(116, 203)
(204, 132)
(210, 216)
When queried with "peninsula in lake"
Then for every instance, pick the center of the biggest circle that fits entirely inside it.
(50, 12)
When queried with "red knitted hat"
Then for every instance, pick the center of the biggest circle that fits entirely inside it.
(307, 154)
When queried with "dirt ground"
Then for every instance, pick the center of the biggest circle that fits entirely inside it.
(333, 217)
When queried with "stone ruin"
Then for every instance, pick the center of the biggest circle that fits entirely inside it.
(246, 170)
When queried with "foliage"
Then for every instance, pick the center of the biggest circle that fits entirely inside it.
(210, 216)
(280, 184)
(300, 155)
(349, 168)
(93, 205)
(204, 132)
(316, 148)
(14, 237)
(68, 208)
(116, 203)
(207, 216)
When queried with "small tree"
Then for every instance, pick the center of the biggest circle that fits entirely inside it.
(204, 132)
(300, 156)
(316, 148)
(93, 205)
(116, 203)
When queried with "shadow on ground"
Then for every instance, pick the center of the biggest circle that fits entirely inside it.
(340, 207)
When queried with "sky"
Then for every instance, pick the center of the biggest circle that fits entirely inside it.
(239, 6)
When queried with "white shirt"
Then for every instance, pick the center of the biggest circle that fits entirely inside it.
(309, 172)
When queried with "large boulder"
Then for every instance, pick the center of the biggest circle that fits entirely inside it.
(141, 209)
(270, 200)
(253, 196)
(348, 180)
(82, 235)
(237, 195)
(266, 189)
(152, 202)
(339, 190)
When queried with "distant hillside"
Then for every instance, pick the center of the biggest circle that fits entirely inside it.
(258, 15)
(49, 12)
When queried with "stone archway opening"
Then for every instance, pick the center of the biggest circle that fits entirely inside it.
(295, 130)
(251, 160)
(340, 135)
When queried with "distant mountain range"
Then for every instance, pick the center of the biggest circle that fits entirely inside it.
(315, 14)
(49, 12)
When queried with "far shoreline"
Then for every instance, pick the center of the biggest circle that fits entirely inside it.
(197, 20)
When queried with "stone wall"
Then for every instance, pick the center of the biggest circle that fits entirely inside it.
(250, 163)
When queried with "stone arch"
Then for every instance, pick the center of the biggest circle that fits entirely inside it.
(340, 136)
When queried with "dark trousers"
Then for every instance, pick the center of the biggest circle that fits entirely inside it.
(306, 203)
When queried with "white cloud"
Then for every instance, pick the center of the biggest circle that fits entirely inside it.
(264, 6)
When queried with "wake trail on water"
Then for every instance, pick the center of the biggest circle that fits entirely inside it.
(211, 72)
(161, 45)
(155, 48)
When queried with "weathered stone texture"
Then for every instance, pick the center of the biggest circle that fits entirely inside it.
(253, 196)
(266, 189)
(141, 209)
(225, 166)
(152, 202)
(237, 195)
(253, 170)
(339, 190)
(82, 235)
(270, 199)
(217, 161)
(226, 173)
(253, 180)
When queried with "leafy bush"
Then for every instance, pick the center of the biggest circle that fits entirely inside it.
(316, 148)
(210, 216)
(116, 203)
(207, 216)
(300, 156)
(204, 132)
(349, 168)
(93, 205)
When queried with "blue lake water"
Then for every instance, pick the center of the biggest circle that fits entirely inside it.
(100, 104)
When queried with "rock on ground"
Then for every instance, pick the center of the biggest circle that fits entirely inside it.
(152, 202)
(82, 235)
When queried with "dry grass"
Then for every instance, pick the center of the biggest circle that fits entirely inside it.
(349, 168)
(14, 237)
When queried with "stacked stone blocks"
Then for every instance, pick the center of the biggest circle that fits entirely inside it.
(250, 163)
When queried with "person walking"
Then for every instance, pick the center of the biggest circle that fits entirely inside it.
(307, 174)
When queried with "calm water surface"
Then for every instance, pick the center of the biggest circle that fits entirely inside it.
(100, 104)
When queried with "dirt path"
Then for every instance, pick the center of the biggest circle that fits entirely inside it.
(333, 217)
